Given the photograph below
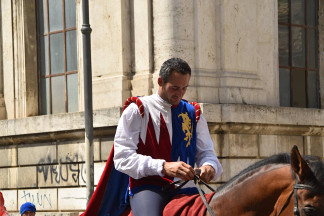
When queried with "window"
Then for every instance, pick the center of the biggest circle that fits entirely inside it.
(57, 56)
(298, 53)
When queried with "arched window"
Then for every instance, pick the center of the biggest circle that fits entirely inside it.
(57, 56)
(298, 53)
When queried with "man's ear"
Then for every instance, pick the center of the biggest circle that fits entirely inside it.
(160, 81)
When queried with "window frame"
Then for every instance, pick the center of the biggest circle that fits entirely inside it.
(306, 69)
(49, 76)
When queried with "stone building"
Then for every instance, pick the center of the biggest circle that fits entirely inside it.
(257, 75)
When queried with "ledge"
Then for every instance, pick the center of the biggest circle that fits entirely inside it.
(255, 119)
(256, 114)
(58, 123)
(222, 118)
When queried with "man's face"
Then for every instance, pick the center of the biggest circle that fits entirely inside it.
(175, 88)
(28, 213)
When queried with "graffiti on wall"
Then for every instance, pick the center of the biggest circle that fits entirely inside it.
(40, 199)
(67, 171)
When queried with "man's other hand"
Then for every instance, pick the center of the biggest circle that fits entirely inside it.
(178, 169)
(207, 173)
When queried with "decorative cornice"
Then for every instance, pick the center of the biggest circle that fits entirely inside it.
(265, 129)
(221, 118)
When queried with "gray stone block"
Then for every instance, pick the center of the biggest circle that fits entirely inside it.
(18, 177)
(26, 177)
(285, 143)
(268, 145)
(314, 145)
(8, 155)
(96, 149)
(71, 151)
(72, 199)
(41, 154)
(240, 145)
(58, 175)
(44, 199)
(10, 199)
(233, 166)
(106, 145)
(4, 176)
(275, 144)
(216, 138)
(98, 170)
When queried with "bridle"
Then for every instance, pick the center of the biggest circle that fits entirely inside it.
(294, 192)
(197, 180)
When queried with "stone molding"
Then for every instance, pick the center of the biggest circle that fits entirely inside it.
(222, 118)
(257, 114)
(58, 126)
(266, 129)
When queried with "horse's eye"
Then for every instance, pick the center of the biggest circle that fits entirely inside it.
(309, 211)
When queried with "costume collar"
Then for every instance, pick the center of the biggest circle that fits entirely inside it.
(163, 102)
(160, 101)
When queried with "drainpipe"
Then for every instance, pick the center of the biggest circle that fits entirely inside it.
(86, 31)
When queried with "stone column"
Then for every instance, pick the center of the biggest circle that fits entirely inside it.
(7, 61)
(19, 64)
(2, 104)
(29, 71)
(247, 52)
(142, 41)
(207, 51)
(321, 50)
(231, 47)
(111, 52)
(174, 36)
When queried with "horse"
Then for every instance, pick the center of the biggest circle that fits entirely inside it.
(280, 185)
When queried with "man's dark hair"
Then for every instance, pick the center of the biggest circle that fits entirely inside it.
(174, 64)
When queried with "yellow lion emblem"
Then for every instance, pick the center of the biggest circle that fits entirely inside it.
(186, 127)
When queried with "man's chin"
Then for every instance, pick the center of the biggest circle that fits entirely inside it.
(175, 102)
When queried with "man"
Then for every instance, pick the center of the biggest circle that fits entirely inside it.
(163, 143)
(27, 209)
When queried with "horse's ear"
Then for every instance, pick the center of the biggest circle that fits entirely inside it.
(300, 166)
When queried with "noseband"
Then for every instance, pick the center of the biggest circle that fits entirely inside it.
(296, 187)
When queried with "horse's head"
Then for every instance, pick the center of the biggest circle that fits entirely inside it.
(309, 190)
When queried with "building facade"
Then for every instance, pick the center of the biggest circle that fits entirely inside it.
(256, 72)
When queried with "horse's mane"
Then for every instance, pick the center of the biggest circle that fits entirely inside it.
(315, 163)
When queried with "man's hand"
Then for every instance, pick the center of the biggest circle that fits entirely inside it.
(207, 173)
(178, 169)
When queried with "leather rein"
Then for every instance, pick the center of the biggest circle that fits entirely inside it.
(197, 180)
(294, 192)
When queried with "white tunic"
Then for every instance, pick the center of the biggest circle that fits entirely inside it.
(132, 126)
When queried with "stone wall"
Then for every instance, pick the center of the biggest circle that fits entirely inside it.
(50, 175)
(232, 47)
(45, 165)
